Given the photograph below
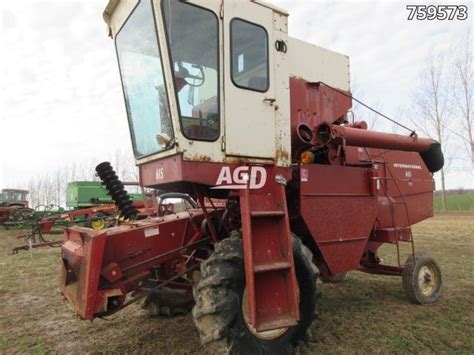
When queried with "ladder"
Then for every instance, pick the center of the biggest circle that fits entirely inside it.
(400, 233)
(271, 286)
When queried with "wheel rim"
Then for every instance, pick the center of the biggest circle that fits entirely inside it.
(265, 335)
(98, 224)
(428, 279)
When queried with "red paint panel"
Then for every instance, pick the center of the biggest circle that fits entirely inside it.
(405, 185)
(408, 184)
(392, 235)
(165, 170)
(315, 104)
(82, 254)
(274, 301)
(334, 180)
(174, 169)
(312, 105)
(268, 249)
(339, 211)
(420, 206)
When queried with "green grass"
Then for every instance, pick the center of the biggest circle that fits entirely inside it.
(456, 202)
(364, 314)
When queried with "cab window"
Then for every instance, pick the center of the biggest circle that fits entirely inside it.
(249, 52)
(193, 34)
(143, 81)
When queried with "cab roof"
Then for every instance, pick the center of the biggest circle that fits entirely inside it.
(15, 190)
(112, 5)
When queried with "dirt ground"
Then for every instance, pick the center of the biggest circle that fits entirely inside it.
(366, 313)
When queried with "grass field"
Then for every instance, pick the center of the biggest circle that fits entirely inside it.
(367, 313)
(456, 202)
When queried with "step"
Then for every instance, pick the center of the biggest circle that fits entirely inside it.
(271, 266)
(263, 214)
(277, 323)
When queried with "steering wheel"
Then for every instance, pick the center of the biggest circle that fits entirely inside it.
(197, 80)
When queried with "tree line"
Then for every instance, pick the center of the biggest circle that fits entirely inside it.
(443, 103)
(50, 189)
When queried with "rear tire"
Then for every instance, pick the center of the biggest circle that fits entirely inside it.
(422, 279)
(218, 295)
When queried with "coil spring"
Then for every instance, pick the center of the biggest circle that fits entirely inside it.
(116, 190)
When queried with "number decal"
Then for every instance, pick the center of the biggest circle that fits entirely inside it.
(462, 12)
(437, 12)
(159, 175)
(412, 9)
(421, 12)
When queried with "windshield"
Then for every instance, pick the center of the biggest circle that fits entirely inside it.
(143, 81)
(12, 196)
(192, 34)
(17, 196)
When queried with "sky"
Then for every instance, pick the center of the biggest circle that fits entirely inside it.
(61, 98)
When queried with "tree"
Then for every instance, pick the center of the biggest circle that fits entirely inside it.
(361, 113)
(432, 109)
(34, 187)
(464, 90)
(123, 163)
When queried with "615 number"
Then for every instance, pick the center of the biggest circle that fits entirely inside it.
(438, 12)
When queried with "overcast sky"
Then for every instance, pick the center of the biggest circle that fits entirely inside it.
(61, 98)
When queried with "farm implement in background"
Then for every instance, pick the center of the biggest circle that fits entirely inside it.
(89, 206)
(14, 208)
(93, 217)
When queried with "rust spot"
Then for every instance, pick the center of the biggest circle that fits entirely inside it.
(235, 160)
(200, 157)
(282, 154)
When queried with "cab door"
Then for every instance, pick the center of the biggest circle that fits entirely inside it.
(249, 89)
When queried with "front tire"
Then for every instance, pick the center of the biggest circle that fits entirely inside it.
(422, 279)
(218, 313)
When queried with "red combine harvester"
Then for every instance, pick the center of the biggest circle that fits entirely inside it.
(222, 104)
